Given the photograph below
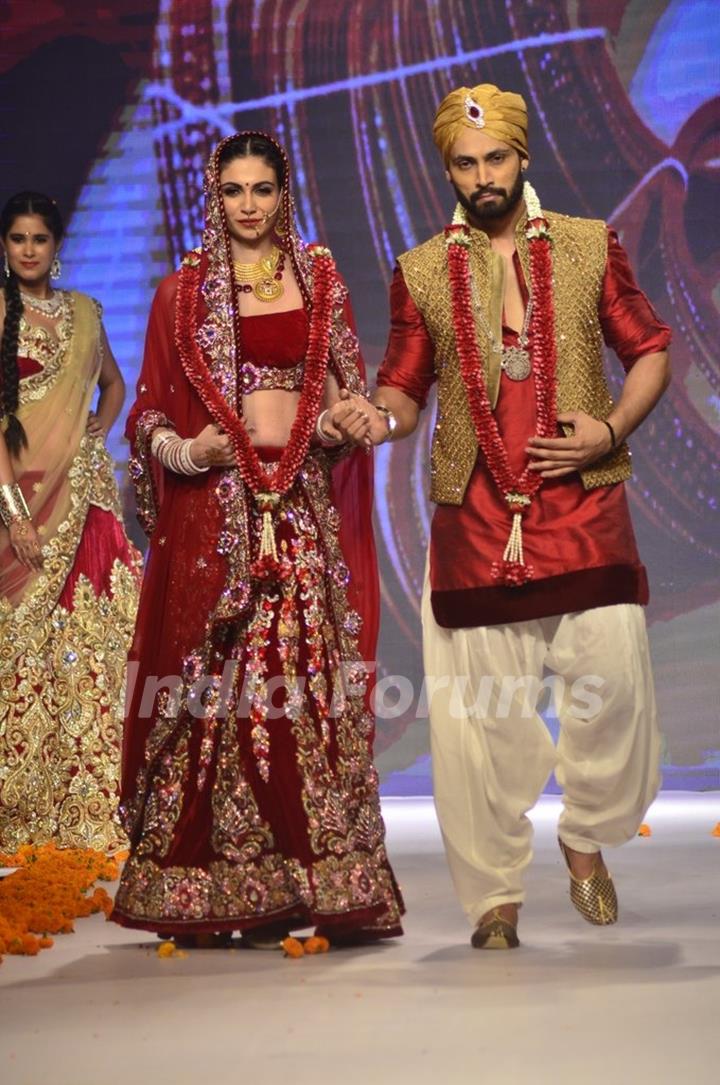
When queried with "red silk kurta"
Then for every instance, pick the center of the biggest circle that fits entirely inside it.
(580, 542)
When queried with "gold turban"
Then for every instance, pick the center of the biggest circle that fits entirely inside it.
(485, 108)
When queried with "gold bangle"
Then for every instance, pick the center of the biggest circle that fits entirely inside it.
(13, 507)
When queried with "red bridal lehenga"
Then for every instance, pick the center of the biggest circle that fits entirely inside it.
(65, 630)
(249, 791)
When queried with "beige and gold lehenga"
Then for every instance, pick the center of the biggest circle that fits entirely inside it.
(64, 631)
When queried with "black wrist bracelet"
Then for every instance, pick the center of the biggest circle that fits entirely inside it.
(612, 433)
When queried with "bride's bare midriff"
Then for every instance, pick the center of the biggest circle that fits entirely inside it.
(269, 415)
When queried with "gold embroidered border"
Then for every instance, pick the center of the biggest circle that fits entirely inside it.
(60, 719)
(226, 891)
(51, 352)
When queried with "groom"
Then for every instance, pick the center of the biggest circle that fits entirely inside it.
(533, 563)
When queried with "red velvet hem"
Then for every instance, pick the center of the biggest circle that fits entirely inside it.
(347, 924)
(585, 589)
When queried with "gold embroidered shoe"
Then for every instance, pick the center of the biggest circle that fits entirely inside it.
(594, 897)
(495, 933)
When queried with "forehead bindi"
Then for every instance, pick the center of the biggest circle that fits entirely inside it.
(248, 172)
(30, 225)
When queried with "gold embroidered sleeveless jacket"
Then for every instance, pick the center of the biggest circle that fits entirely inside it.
(579, 256)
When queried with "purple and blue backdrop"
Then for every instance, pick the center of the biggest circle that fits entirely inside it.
(113, 108)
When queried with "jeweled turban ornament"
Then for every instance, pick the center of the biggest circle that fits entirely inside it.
(498, 113)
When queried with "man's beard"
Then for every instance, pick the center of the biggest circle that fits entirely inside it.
(505, 205)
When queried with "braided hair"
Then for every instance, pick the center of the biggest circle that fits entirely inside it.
(23, 203)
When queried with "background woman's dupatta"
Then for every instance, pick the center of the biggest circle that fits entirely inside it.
(61, 472)
(64, 630)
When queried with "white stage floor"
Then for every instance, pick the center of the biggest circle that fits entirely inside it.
(636, 1003)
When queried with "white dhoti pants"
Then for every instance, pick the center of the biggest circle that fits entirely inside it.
(492, 752)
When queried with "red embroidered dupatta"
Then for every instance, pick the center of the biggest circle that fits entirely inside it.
(197, 566)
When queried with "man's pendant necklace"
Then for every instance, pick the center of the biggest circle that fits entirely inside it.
(515, 363)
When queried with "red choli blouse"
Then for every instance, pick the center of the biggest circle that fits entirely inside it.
(276, 339)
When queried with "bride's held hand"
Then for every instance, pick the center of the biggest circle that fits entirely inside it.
(212, 448)
(347, 420)
(356, 419)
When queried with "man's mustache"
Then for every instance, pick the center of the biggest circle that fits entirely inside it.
(479, 192)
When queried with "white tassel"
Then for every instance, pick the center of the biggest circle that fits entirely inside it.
(268, 546)
(268, 503)
(512, 570)
(514, 548)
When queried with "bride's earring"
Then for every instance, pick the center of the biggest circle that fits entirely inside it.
(55, 268)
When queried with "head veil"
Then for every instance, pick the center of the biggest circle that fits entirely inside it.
(218, 336)
(203, 291)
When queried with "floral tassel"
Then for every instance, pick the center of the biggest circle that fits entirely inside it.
(518, 489)
(512, 570)
(267, 567)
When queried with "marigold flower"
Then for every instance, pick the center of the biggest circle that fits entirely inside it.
(292, 947)
(47, 891)
(316, 944)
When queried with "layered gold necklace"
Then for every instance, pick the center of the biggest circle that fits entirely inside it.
(263, 278)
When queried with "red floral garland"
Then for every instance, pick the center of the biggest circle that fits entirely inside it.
(266, 488)
(518, 490)
(316, 360)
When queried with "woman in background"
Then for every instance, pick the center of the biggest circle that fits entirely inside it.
(68, 575)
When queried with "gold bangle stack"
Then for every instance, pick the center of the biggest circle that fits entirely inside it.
(13, 507)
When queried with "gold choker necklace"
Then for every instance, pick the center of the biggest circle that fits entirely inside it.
(263, 278)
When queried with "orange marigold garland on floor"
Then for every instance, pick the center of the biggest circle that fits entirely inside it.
(47, 892)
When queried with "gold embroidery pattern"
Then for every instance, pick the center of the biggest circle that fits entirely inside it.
(164, 804)
(355, 820)
(239, 833)
(269, 886)
(91, 481)
(579, 256)
(140, 469)
(49, 351)
(131, 811)
(60, 721)
(330, 731)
